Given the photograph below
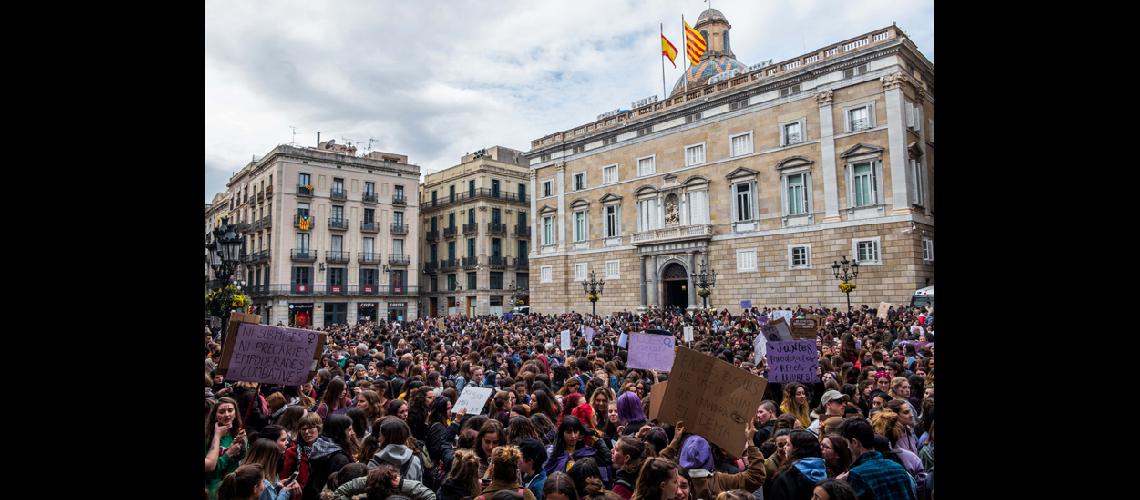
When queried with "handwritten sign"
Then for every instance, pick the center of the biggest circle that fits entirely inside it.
(472, 399)
(760, 345)
(787, 315)
(714, 398)
(882, 313)
(271, 354)
(805, 328)
(688, 334)
(776, 330)
(654, 352)
(656, 396)
(623, 340)
(565, 340)
(793, 361)
(746, 304)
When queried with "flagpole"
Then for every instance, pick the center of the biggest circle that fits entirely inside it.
(684, 36)
(664, 93)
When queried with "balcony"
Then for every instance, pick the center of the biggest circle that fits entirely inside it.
(338, 195)
(470, 228)
(303, 255)
(399, 200)
(522, 230)
(466, 196)
(258, 290)
(369, 227)
(398, 228)
(304, 190)
(337, 289)
(470, 262)
(338, 224)
(336, 257)
(498, 262)
(365, 289)
(302, 288)
(263, 223)
(448, 265)
(303, 224)
(675, 233)
(430, 267)
(368, 198)
(259, 257)
(449, 232)
(496, 228)
(433, 236)
(399, 260)
(522, 262)
(369, 258)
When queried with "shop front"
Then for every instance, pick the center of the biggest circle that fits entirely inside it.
(397, 311)
(301, 315)
(366, 312)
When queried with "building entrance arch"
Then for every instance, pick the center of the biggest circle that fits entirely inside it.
(675, 285)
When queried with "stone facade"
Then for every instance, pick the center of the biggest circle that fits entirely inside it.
(822, 153)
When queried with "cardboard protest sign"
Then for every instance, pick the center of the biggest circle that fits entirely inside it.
(762, 319)
(566, 340)
(688, 334)
(714, 398)
(271, 354)
(760, 345)
(776, 330)
(623, 340)
(441, 324)
(472, 399)
(656, 395)
(882, 312)
(654, 352)
(787, 315)
(805, 328)
(746, 304)
(793, 361)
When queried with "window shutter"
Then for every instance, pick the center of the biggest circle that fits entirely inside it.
(755, 201)
(909, 112)
(875, 181)
(784, 199)
(807, 192)
(871, 114)
(850, 189)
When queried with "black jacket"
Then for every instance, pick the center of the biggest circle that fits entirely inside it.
(452, 491)
(439, 443)
(326, 458)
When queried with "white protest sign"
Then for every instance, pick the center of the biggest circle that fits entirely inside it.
(787, 315)
(688, 334)
(622, 340)
(761, 347)
(565, 340)
(472, 399)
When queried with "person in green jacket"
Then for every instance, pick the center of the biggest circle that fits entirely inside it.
(223, 443)
(382, 482)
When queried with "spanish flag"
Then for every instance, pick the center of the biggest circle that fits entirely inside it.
(694, 44)
(668, 50)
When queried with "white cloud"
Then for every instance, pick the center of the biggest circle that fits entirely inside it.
(436, 80)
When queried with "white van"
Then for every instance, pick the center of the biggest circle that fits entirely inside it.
(923, 297)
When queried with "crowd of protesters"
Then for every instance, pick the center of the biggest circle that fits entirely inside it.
(377, 422)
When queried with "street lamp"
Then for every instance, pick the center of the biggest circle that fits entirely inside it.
(519, 292)
(593, 288)
(226, 250)
(705, 280)
(845, 271)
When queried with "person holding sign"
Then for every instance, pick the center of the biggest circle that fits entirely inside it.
(443, 430)
(696, 457)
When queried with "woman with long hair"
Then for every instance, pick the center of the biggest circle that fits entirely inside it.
(694, 453)
(491, 435)
(543, 403)
(573, 442)
(559, 486)
(631, 416)
(266, 454)
(369, 401)
(334, 400)
(297, 455)
(501, 407)
(836, 453)
(628, 455)
(796, 478)
(331, 451)
(833, 489)
(397, 408)
(442, 431)
(462, 478)
(225, 428)
(520, 428)
(569, 403)
(279, 437)
(658, 480)
(418, 412)
(904, 428)
(392, 441)
(289, 420)
(244, 483)
(544, 426)
(796, 403)
(587, 479)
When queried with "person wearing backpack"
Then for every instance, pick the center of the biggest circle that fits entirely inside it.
(505, 474)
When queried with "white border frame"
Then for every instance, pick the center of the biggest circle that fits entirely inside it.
(755, 260)
(791, 265)
(613, 276)
(751, 138)
(878, 247)
(685, 153)
(637, 165)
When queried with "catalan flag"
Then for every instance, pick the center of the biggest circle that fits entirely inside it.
(694, 44)
(668, 50)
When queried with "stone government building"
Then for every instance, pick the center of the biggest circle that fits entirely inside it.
(767, 172)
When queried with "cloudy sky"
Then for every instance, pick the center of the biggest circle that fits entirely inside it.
(437, 79)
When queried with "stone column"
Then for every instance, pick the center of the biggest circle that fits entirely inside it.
(642, 281)
(896, 139)
(691, 288)
(652, 288)
(560, 185)
(827, 152)
(535, 220)
(920, 120)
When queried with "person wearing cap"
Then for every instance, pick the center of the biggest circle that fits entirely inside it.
(833, 402)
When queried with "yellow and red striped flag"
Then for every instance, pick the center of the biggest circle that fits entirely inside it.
(668, 50)
(694, 44)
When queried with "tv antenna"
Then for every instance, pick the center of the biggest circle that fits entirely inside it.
(370, 141)
(294, 141)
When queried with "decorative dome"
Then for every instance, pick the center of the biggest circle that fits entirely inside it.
(710, 14)
(709, 67)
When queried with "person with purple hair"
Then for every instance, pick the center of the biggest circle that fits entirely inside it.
(630, 414)
(697, 464)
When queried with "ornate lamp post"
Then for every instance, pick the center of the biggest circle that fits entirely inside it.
(593, 288)
(845, 272)
(226, 250)
(705, 280)
(519, 292)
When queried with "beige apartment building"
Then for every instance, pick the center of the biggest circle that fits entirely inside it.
(476, 234)
(768, 173)
(345, 248)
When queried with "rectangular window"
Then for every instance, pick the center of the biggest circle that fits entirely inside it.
(745, 261)
(859, 119)
(302, 275)
(613, 268)
(302, 209)
(548, 188)
(800, 257)
(451, 282)
(369, 245)
(690, 118)
(863, 180)
(471, 247)
(398, 218)
(793, 133)
(336, 275)
(303, 242)
(547, 274)
(867, 251)
(338, 213)
(303, 179)
(434, 252)
(580, 272)
(338, 185)
(496, 216)
(471, 187)
(522, 192)
(370, 216)
(544, 157)
(399, 191)
(496, 300)
(398, 247)
(647, 215)
(337, 243)
(737, 104)
(579, 149)
(797, 194)
(471, 216)
(496, 281)
(646, 166)
(522, 249)
(612, 219)
(579, 227)
(548, 230)
(928, 250)
(451, 220)
(434, 223)
(451, 250)
(580, 181)
(368, 277)
(743, 202)
(609, 140)
(451, 193)
(496, 247)
(742, 144)
(695, 155)
(494, 188)
(370, 188)
(610, 174)
(472, 283)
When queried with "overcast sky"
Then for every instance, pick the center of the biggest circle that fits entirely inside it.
(435, 80)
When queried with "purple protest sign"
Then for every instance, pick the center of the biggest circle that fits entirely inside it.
(746, 304)
(654, 352)
(763, 319)
(590, 334)
(272, 354)
(792, 361)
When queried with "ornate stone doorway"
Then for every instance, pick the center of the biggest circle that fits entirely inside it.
(675, 282)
